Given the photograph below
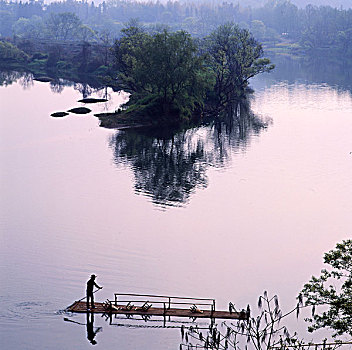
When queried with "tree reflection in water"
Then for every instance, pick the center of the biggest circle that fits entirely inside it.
(8, 77)
(166, 167)
(85, 86)
(170, 165)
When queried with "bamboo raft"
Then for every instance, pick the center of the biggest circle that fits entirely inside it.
(166, 306)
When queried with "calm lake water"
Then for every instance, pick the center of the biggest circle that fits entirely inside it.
(212, 212)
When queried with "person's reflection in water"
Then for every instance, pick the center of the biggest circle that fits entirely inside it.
(90, 328)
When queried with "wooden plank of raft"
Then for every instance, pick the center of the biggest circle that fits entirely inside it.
(155, 311)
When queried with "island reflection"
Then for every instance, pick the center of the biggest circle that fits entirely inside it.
(169, 165)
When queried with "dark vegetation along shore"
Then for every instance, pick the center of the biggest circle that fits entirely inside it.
(280, 25)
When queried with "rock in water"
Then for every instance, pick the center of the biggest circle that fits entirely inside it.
(43, 79)
(59, 114)
(80, 110)
(92, 100)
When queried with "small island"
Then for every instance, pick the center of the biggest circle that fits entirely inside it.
(175, 79)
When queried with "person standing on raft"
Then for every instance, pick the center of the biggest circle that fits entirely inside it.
(90, 285)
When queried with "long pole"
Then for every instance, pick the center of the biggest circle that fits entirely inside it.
(86, 296)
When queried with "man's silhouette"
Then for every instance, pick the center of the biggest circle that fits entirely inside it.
(90, 285)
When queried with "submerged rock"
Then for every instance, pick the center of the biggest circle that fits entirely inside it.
(80, 110)
(92, 100)
(59, 114)
(43, 79)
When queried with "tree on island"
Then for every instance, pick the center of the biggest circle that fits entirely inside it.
(162, 70)
(171, 76)
(234, 57)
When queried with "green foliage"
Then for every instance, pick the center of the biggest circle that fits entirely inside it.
(29, 27)
(126, 50)
(147, 107)
(314, 26)
(64, 26)
(39, 56)
(258, 29)
(332, 292)
(323, 27)
(54, 57)
(234, 57)
(344, 41)
(63, 65)
(10, 53)
(184, 75)
(7, 18)
(102, 71)
(164, 65)
(37, 65)
(85, 33)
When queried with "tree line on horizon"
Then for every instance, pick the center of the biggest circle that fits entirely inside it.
(313, 27)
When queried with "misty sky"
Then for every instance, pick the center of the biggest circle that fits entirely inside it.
(299, 3)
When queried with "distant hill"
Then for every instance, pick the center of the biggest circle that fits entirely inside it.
(258, 3)
(333, 3)
(300, 3)
(253, 3)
